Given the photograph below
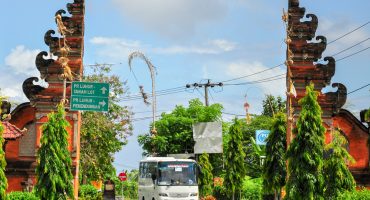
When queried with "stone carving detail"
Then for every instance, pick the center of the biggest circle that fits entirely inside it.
(302, 53)
(43, 64)
(30, 90)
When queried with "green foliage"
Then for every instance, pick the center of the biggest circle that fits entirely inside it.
(174, 130)
(337, 176)
(272, 105)
(3, 180)
(367, 115)
(252, 188)
(54, 163)
(206, 177)
(305, 153)
(21, 196)
(355, 195)
(274, 174)
(234, 160)
(130, 187)
(89, 192)
(103, 133)
(253, 152)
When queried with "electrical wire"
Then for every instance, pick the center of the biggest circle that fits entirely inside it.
(344, 35)
(351, 47)
(226, 113)
(357, 52)
(281, 64)
(139, 95)
(360, 88)
(272, 78)
(130, 99)
(210, 94)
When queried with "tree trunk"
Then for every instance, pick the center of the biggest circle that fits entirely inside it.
(233, 195)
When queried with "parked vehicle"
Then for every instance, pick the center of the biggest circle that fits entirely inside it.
(164, 178)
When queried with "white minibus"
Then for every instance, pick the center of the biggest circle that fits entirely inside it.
(167, 178)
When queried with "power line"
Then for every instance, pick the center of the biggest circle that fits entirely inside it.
(157, 92)
(357, 52)
(131, 99)
(360, 88)
(344, 35)
(254, 73)
(206, 86)
(272, 78)
(226, 113)
(210, 94)
(148, 111)
(351, 47)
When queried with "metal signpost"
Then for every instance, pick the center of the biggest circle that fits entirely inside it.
(89, 96)
(123, 177)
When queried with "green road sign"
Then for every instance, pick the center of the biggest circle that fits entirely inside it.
(89, 96)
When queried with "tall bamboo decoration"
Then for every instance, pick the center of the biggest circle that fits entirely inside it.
(152, 75)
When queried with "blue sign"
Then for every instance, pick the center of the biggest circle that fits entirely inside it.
(261, 136)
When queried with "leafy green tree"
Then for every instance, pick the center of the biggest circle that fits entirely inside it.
(272, 105)
(206, 177)
(103, 133)
(274, 174)
(174, 130)
(3, 180)
(338, 178)
(253, 151)
(305, 153)
(54, 163)
(234, 160)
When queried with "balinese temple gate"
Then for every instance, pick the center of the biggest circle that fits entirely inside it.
(67, 44)
(304, 49)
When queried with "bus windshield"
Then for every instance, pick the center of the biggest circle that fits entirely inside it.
(177, 173)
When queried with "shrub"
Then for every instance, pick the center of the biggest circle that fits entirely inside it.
(252, 188)
(355, 195)
(89, 192)
(21, 196)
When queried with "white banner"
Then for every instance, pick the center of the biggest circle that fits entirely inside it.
(207, 137)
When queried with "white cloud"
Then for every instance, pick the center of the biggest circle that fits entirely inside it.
(169, 18)
(223, 44)
(19, 65)
(22, 60)
(116, 47)
(238, 69)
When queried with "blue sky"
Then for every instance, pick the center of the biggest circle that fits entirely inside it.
(188, 41)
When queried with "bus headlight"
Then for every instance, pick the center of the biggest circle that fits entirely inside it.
(193, 194)
(163, 195)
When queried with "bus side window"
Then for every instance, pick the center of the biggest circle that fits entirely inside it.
(152, 169)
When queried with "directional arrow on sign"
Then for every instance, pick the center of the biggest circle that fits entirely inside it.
(102, 103)
(103, 90)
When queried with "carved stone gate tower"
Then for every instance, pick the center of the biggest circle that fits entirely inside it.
(58, 66)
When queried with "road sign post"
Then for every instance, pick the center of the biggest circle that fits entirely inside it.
(123, 177)
(89, 96)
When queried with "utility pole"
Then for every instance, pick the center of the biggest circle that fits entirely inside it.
(206, 86)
